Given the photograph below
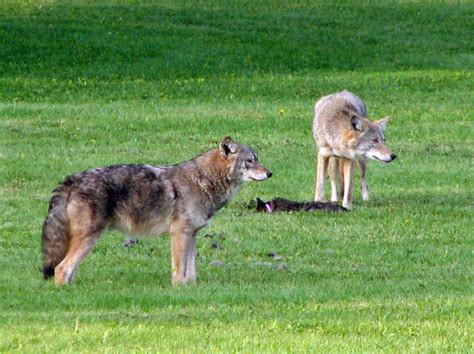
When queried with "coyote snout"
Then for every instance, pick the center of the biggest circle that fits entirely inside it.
(345, 136)
(382, 154)
(377, 155)
(256, 172)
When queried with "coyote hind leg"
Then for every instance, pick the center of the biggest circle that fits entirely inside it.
(83, 234)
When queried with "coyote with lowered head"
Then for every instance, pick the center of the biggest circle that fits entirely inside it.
(345, 137)
(144, 200)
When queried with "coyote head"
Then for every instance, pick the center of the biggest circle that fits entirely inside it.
(371, 141)
(243, 161)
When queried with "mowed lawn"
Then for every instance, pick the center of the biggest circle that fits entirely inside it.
(84, 84)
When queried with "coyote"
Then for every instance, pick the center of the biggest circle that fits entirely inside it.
(345, 137)
(144, 200)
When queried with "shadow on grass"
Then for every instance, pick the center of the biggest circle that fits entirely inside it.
(426, 200)
(154, 42)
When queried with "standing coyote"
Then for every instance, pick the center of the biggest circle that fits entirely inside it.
(344, 136)
(144, 200)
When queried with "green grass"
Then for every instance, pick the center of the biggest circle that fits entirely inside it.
(84, 85)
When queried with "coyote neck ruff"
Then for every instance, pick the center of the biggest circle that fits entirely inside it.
(144, 200)
(217, 184)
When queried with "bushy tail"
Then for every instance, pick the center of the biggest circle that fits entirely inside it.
(55, 240)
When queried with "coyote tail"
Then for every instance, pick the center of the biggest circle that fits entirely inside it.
(55, 239)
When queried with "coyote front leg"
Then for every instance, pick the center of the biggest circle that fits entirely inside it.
(348, 168)
(183, 253)
(363, 179)
(321, 167)
(333, 169)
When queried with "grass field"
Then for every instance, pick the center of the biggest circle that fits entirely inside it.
(85, 85)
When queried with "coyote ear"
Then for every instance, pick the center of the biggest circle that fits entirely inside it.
(356, 123)
(227, 146)
(382, 123)
(259, 202)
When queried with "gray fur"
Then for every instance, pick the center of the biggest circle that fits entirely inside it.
(147, 201)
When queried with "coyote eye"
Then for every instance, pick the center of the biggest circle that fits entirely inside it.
(249, 161)
(375, 141)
